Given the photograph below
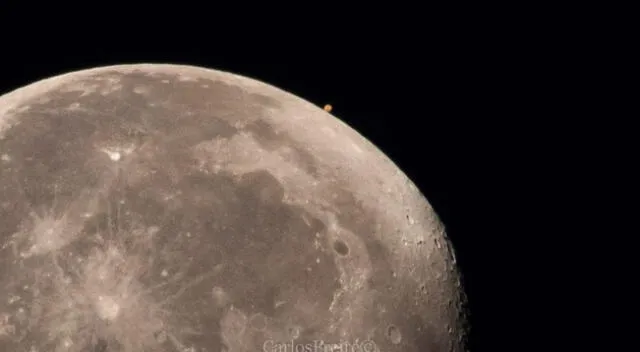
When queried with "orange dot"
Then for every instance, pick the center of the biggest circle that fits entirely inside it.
(328, 108)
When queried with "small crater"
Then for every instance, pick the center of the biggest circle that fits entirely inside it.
(293, 331)
(410, 219)
(340, 247)
(423, 288)
(394, 335)
(21, 315)
(160, 336)
(107, 307)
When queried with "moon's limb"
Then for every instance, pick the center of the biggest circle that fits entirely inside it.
(175, 208)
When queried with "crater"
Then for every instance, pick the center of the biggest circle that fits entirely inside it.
(394, 335)
(293, 331)
(340, 247)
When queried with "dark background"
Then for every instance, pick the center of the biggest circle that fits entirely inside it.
(437, 110)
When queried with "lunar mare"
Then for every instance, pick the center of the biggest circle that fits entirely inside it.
(175, 208)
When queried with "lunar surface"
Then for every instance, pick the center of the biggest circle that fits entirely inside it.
(175, 208)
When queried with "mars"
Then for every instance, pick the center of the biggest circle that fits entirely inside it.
(176, 208)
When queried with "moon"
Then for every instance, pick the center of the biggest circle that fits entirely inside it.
(153, 207)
